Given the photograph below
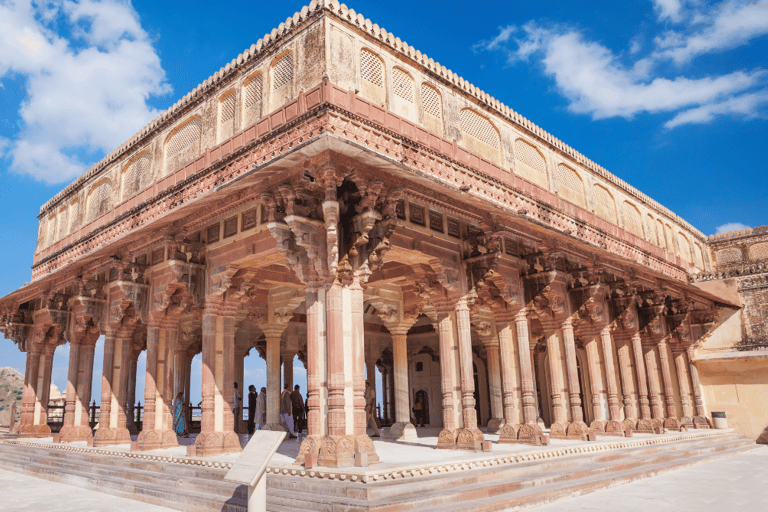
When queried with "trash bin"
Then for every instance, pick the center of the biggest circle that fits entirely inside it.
(718, 420)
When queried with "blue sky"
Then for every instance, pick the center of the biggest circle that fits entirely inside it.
(670, 95)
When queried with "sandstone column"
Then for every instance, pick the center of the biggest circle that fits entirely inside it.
(470, 437)
(530, 412)
(402, 428)
(44, 384)
(560, 418)
(448, 360)
(669, 396)
(273, 379)
(683, 381)
(627, 383)
(577, 427)
(610, 381)
(30, 386)
(595, 379)
(510, 384)
(217, 429)
(346, 382)
(653, 385)
(76, 427)
(287, 358)
(642, 386)
(159, 384)
(317, 389)
(112, 429)
(701, 412)
(494, 385)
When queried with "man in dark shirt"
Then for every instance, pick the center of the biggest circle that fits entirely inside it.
(251, 409)
(298, 409)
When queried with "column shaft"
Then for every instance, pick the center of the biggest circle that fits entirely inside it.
(595, 377)
(556, 377)
(642, 387)
(509, 375)
(627, 381)
(494, 385)
(400, 371)
(683, 381)
(653, 382)
(574, 386)
(530, 412)
(610, 374)
(666, 375)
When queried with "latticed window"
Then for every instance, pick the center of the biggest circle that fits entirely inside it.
(63, 222)
(186, 136)
(685, 246)
(100, 200)
(402, 84)
(253, 90)
(431, 102)
(605, 207)
(371, 68)
(632, 220)
(568, 178)
(699, 255)
(51, 229)
(652, 230)
(227, 106)
(133, 177)
(728, 255)
(660, 234)
(758, 251)
(479, 127)
(282, 73)
(528, 155)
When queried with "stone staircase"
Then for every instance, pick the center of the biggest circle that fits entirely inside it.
(511, 486)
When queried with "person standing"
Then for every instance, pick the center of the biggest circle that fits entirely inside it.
(179, 418)
(251, 409)
(261, 408)
(237, 407)
(286, 415)
(370, 407)
(297, 401)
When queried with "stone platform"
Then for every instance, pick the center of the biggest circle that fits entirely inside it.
(411, 475)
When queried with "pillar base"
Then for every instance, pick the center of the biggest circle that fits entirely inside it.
(629, 424)
(672, 424)
(494, 425)
(72, 433)
(156, 439)
(467, 439)
(614, 428)
(644, 426)
(309, 446)
(686, 421)
(446, 440)
(214, 443)
(34, 431)
(558, 430)
(111, 436)
(402, 432)
(577, 430)
(529, 433)
(598, 427)
(274, 427)
(701, 422)
(339, 451)
(508, 433)
(657, 423)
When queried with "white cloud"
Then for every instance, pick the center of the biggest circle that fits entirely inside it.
(669, 9)
(731, 226)
(598, 82)
(725, 26)
(86, 92)
(749, 106)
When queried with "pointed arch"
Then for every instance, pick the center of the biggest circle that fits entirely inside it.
(605, 205)
(530, 163)
(183, 143)
(372, 77)
(479, 135)
(282, 79)
(99, 199)
(571, 185)
(253, 90)
(226, 115)
(136, 174)
(432, 108)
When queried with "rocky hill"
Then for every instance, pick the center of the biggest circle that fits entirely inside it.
(11, 388)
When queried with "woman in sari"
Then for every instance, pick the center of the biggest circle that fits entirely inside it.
(179, 421)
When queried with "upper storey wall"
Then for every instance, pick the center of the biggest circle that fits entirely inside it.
(388, 72)
(262, 79)
(381, 68)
